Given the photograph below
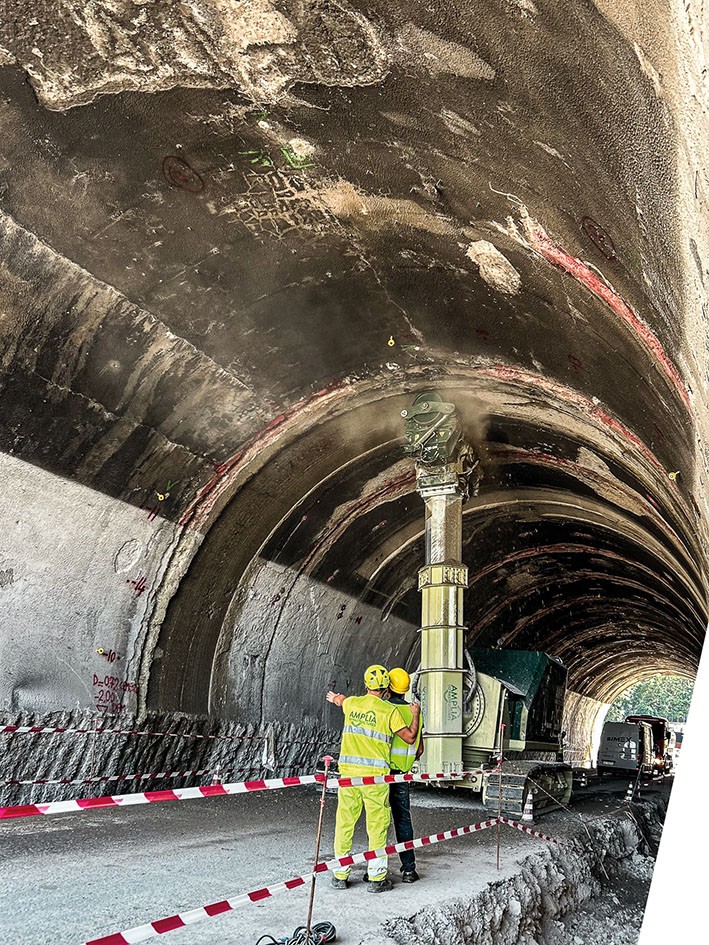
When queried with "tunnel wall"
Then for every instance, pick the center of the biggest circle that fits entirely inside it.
(71, 586)
(581, 717)
(120, 371)
(287, 638)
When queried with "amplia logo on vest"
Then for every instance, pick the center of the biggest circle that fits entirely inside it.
(364, 718)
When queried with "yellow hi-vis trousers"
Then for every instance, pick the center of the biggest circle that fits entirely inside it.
(375, 799)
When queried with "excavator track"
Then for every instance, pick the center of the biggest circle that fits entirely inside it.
(549, 782)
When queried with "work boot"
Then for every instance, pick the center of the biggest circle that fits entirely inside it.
(409, 876)
(338, 883)
(384, 885)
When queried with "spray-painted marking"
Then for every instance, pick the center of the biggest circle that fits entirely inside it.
(152, 510)
(180, 920)
(212, 790)
(138, 586)
(107, 698)
(110, 655)
(114, 683)
(545, 246)
(295, 160)
(178, 173)
(600, 237)
(258, 156)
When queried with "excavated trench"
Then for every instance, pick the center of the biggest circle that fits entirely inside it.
(565, 895)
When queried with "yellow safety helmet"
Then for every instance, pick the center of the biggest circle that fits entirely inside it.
(399, 681)
(376, 677)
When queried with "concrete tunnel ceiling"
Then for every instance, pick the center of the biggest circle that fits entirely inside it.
(213, 219)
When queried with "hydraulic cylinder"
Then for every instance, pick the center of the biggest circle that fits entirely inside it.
(444, 464)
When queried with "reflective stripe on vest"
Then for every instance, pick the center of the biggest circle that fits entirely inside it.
(403, 755)
(369, 732)
(366, 736)
(366, 762)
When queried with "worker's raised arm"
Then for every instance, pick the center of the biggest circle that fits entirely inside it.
(409, 732)
(336, 698)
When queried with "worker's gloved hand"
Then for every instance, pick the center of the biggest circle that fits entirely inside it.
(335, 697)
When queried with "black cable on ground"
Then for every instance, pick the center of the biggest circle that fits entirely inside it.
(320, 933)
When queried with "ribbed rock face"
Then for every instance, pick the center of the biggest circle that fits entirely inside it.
(76, 51)
(217, 298)
(93, 757)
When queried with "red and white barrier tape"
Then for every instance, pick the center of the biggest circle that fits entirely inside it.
(525, 829)
(101, 779)
(142, 932)
(214, 790)
(48, 730)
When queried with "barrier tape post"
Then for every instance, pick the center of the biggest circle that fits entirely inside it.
(152, 929)
(328, 761)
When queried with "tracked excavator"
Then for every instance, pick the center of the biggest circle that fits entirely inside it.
(480, 705)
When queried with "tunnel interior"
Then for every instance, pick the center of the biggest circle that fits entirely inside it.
(237, 240)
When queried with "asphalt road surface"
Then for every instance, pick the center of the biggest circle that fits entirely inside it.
(69, 878)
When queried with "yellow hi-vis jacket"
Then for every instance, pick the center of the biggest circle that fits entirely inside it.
(370, 724)
(403, 755)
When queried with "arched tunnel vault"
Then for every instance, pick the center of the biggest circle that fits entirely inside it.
(598, 575)
(237, 238)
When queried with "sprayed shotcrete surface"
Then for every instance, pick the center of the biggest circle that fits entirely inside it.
(137, 865)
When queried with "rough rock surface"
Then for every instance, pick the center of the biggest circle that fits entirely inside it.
(256, 46)
(240, 753)
(551, 895)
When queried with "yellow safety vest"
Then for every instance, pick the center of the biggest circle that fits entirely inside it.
(369, 727)
(403, 755)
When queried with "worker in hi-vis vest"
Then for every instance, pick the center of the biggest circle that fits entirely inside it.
(370, 725)
(403, 756)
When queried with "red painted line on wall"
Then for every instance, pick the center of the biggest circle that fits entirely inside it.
(545, 246)
(523, 377)
(195, 512)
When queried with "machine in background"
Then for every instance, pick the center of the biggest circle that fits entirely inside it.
(641, 743)
(626, 747)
